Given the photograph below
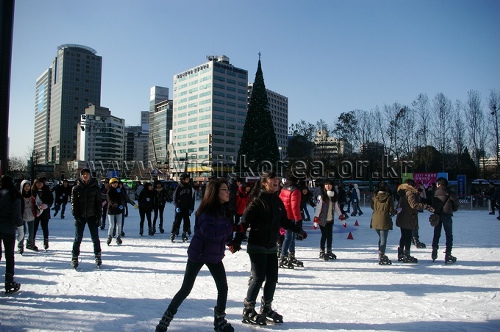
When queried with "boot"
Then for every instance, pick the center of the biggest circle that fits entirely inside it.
(98, 260)
(184, 237)
(417, 243)
(10, 285)
(46, 244)
(401, 255)
(141, 231)
(383, 259)
(294, 261)
(74, 261)
(250, 316)
(20, 247)
(118, 240)
(448, 258)
(409, 259)
(329, 254)
(31, 245)
(108, 241)
(322, 255)
(164, 322)
(220, 322)
(284, 262)
(267, 311)
(434, 253)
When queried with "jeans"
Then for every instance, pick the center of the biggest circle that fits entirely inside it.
(288, 243)
(192, 269)
(446, 222)
(305, 213)
(114, 223)
(264, 267)
(326, 237)
(9, 242)
(94, 234)
(382, 240)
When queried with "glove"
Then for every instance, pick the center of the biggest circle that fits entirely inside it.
(315, 223)
(234, 247)
(20, 233)
(178, 210)
(341, 217)
(136, 206)
(303, 234)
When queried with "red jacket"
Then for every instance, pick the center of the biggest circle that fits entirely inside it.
(241, 200)
(291, 196)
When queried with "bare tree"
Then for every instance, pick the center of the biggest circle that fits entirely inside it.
(458, 133)
(475, 121)
(302, 128)
(421, 106)
(442, 108)
(494, 104)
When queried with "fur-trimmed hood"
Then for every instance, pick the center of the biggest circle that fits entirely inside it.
(407, 187)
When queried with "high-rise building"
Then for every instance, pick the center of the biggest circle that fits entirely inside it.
(42, 116)
(278, 106)
(74, 82)
(157, 94)
(159, 134)
(209, 112)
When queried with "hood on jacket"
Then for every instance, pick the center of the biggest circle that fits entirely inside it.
(382, 196)
(22, 185)
(406, 187)
(355, 186)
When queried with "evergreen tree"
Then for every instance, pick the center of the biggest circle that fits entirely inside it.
(258, 148)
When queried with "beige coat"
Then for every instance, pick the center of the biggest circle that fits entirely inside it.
(409, 202)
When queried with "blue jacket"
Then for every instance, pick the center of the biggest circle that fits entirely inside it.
(211, 233)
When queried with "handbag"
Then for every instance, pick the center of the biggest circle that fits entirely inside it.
(434, 218)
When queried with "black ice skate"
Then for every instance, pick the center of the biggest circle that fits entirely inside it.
(12, 287)
(98, 260)
(268, 312)
(330, 255)
(294, 261)
(409, 259)
(184, 237)
(74, 261)
(118, 240)
(285, 263)
(108, 241)
(220, 322)
(417, 243)
(449, 259)
(434, 254)
(164, 322)
(172, 237)
(250, 316)
(384, 260)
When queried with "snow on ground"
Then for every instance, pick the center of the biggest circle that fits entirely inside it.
(134, 286)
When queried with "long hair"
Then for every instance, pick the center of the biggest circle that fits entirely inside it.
(383, 186)
(259, 185)
(210, 203)
(324, 195)
(7, 183)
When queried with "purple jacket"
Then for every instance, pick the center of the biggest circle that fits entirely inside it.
(211, 233)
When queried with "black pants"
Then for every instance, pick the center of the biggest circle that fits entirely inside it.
(9, 242)
(181, 216)
(94, 234)
(192, 269)
(405, 240)
(158, 210)
(326, 237)
(144, 213)
(45, 228)
(264, 268)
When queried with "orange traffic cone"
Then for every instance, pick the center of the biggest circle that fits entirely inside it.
(356, 223)
(349, 237)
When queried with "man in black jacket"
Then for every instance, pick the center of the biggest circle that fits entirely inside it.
(444, 202)
(86, 207)
(184, 207)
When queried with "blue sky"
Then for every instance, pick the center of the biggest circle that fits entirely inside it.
(326, 56)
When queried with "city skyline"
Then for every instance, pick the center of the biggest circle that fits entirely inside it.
(326, 57)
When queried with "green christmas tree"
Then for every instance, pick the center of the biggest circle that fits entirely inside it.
(258, 149)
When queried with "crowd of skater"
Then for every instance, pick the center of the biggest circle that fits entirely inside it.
(267, 215)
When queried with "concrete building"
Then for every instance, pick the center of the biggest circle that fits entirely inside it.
(160, 125)
(209, 112)
(73, 82)
(278, 106)
(100, 136)
(328, 147)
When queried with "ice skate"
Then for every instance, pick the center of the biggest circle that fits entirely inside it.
(294, 261)
(31, 245)
(267, 311)
(98, 260)
(409, 259)
(384, 260)
(449, 259)
(284, 263)
(434, 254)
(184, 237)
(12, 287)
(164, 322)
(250, 316)
(172, 237)
(118, 240)
(20, 248)
(74, 261)
(220, 322)
(330, 255)
(108, 241)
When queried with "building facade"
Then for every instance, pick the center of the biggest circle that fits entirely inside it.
(101, 136)
(159, 134)
(209, 112)
(75, 82)
(42, 116)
